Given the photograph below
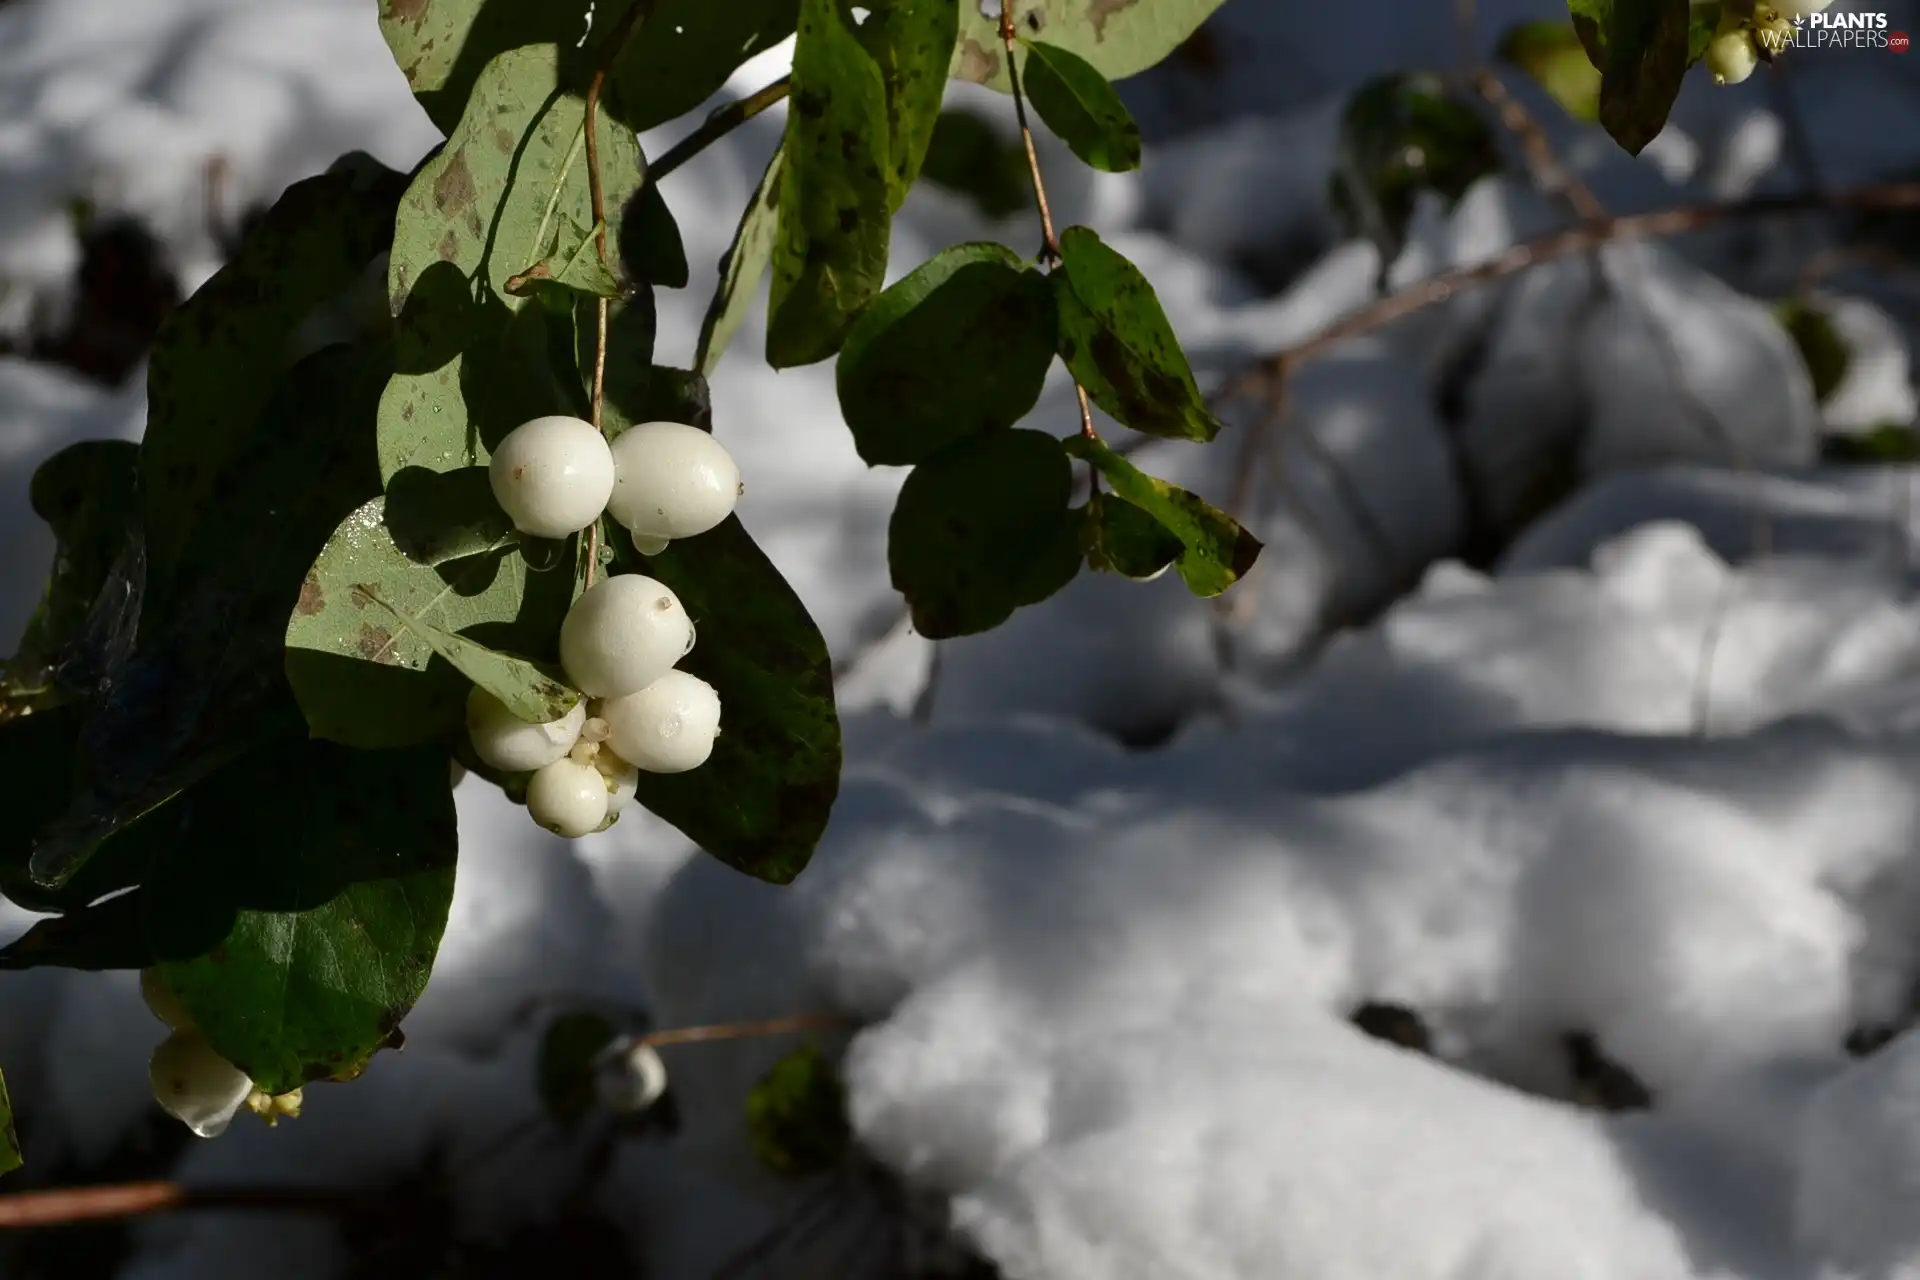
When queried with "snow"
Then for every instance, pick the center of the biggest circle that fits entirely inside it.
(1642, 774)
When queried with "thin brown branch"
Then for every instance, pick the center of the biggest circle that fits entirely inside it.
(748, 1030)
(68, 1205)
(1050, 241)
(721, 122)
(1443, 285)
(1550, 174)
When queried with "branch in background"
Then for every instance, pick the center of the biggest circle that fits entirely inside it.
(722, 121)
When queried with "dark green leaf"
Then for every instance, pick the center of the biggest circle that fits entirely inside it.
(1403, 134)
(363, 679)
(1891, 442)
(9, 1141)
(761, 802)
(474, 360)
(204, 680)
(797, 1116)
(1081, 108)
(685, 51)
(1116, 340)
(220, 358)
(746, 262)
(959, 347)
(830, 257)
(1118, 38)
(1119, 537)
(1820, 344)
(568, 1064)
(1643, 49)
(1218, 551)
(86, 493)
(978, 529)
(650, 244)
(968, 155)
(520, 685)
(912, 42)
(1551, 52)
(298, 915)
(573, 267)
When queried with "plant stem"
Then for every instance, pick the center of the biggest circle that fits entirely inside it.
(1050, 242)
(747, 1030)
(721, 122)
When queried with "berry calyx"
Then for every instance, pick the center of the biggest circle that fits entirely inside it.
(568, 798)
(624, 633)
(623, 781)
(195, 1085)
(667, 727)
(552, 476)
(506, 742)
(670, 481)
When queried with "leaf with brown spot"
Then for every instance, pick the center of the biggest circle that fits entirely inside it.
(1217, 551)
(1118, 38)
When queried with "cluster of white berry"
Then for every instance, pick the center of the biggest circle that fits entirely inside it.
(193, 1083)
(622, 639)
(1752, 33)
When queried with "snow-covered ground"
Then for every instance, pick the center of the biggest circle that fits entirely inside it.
(1647, 782)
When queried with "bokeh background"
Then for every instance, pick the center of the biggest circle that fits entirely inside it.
(1518, 879)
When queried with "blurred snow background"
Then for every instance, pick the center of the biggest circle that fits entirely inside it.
(1430, 913)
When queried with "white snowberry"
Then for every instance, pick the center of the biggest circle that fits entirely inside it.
(552, 476)
(631, 1078)
(667, 727)
(648, 545)
(624, 633)
(623, 780)
(1731, 57)
(508, 743)
(195, 1085)
(568, 798)
(670, 481)
(163, 1003)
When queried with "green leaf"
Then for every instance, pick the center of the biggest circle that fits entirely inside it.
(969, 156)
(10, 1158)
(1118, 38)
(959, 347)
(1888, 443)
(1551, 52)
(761, 802)
(686, 50)
(204, 679)
(1819, 343)
(520, 685)
(830, 257)
(1081, 108)
(1400, 135)
(474, 359)
(219, 359)
(746, 262)
(574, 267)
(86, 494)
(797, 1116)
(981, 529)
(569, 1053)
(443, 45)
(1119, 345)
(365, 681)
(1218, 551)
(1643, 49)
(1120, 538)
(912, 42)
(298, 915)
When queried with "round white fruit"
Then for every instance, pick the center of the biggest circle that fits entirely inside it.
(568, 798)
(195, 1085)
(667, 727)
(552, 476)
(671, 481)
(508, 743)
(631, 1079)
(1730, 57)
(624, 633)
(163, 1003)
